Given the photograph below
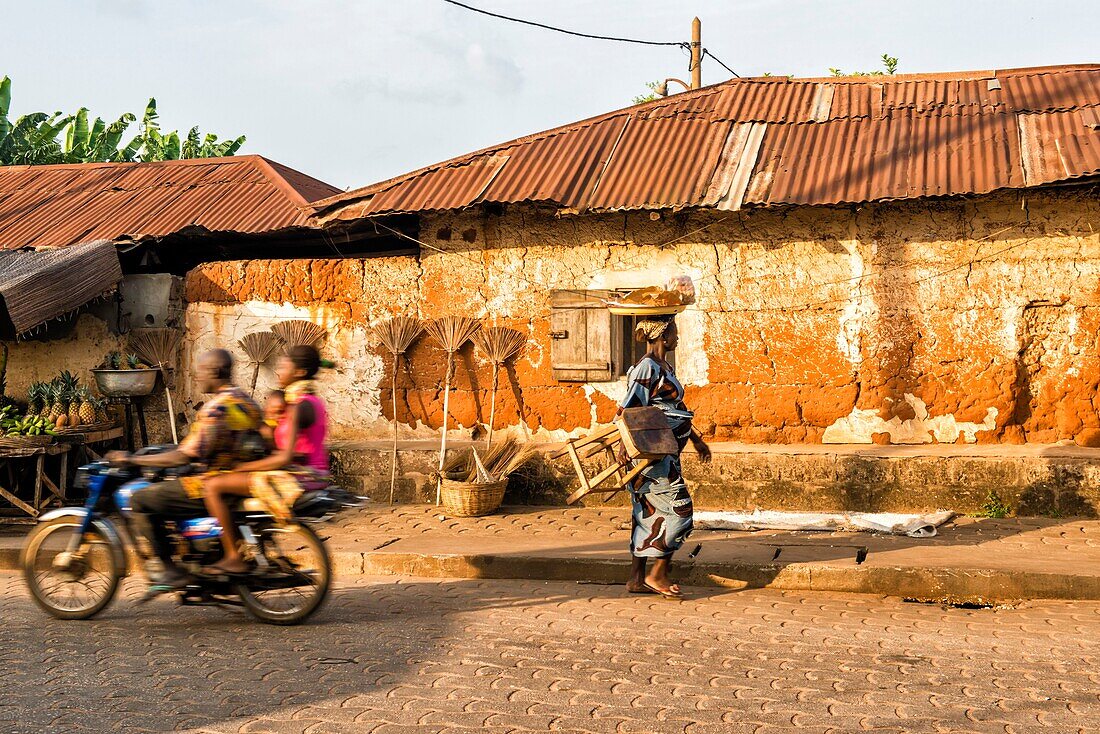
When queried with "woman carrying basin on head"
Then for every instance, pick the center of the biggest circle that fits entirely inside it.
(661, 518)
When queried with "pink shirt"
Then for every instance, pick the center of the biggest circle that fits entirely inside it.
(309, 449)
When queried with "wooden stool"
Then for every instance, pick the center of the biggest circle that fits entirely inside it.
(607, 441)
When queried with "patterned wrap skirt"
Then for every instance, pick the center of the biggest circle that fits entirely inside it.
(661, 519)
(278, 490)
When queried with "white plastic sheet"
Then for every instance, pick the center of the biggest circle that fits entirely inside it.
(912, 525)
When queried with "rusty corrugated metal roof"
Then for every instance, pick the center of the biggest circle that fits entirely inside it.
(53, 206)
(768, 140)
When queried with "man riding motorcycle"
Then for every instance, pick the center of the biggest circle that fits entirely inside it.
(226, 433)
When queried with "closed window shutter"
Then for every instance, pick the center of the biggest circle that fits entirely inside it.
(580, 336)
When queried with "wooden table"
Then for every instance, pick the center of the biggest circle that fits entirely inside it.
(9, 457)
(77, 445)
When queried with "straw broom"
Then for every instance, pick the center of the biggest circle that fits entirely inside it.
(298, 333)
(397, 334)
(500, 344)
(158, 346)
(451, 332)
(260, 346)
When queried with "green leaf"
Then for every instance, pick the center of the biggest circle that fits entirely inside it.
(5, 105)
(171, 149)
(233, 146)
(130, 152)
(108, 148)
(5, 96)
(192, 146)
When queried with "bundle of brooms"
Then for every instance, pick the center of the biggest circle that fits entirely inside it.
(473, 485)
(451, 333)
(397, 334)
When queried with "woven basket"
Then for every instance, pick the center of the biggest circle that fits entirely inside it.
(25, 442)
(464, 499)
(87, 427)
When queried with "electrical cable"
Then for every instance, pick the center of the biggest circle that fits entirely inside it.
(563, 30)
(682, 44)
(706, 52)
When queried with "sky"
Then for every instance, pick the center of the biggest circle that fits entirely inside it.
(356, 91)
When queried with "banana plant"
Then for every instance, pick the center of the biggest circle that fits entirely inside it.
(33, 139)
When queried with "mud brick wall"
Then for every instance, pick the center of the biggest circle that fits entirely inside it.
(914, 322)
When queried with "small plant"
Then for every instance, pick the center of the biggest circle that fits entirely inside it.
(643, 98)
(994, 506)
(889, 68)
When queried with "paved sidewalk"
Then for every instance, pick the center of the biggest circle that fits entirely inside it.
(971, 560)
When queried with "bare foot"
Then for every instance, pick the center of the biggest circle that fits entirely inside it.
(636, 588)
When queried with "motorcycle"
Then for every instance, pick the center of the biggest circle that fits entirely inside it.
(75, 559)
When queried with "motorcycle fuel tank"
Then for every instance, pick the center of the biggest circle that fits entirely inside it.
(124, 493)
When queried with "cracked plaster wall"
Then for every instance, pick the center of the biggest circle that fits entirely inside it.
(927, 321)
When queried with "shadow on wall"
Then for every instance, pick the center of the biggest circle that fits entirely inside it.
(1057, 495)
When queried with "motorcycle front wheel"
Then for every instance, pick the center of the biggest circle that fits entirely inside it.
(297, 580)
(71, 580)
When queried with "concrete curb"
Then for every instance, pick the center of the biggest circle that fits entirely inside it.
(940, 584)
(954, 585)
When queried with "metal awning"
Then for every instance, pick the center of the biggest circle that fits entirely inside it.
(38, 286)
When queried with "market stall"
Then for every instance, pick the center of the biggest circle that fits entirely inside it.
(63, 421)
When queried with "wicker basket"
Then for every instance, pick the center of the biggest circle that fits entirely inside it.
(25, 442)
(465, 499)
(87, 427)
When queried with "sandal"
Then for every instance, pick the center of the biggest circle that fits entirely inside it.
(668, 593)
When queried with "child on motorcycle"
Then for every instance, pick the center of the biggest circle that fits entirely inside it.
(299, 462)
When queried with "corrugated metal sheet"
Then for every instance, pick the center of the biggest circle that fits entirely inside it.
(51, 206)
(769, 141)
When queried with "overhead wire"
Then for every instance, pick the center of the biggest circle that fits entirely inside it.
(706, 52)
(686, 46)
(564, 30)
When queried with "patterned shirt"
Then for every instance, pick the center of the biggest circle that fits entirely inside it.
(225, 433)
(652, 383)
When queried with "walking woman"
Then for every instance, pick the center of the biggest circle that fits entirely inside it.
(662, 508)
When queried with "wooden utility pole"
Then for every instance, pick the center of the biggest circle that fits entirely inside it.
(696, 54)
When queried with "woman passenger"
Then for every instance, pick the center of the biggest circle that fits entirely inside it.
(299, 462)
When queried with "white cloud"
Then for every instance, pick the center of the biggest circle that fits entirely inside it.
(501, 74)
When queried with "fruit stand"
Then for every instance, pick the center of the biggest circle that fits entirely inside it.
(63, 419)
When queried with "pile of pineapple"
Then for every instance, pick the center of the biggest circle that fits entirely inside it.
(65, 403)
(118, 361)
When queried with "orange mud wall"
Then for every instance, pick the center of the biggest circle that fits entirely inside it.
(946, 321)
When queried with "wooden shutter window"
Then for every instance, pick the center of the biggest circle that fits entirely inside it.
(580, 336)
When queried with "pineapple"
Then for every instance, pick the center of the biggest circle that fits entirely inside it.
(133, 363)
(67, 382)
(74, 410)
(34, 399)
(86, 409)
(101, 414)
(56, 408)
(46, 392)
(113, 361)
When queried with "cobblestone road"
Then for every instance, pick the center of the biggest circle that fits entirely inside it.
(425, 656)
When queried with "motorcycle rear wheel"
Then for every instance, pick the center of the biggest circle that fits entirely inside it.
(79, 588)
(300, 559)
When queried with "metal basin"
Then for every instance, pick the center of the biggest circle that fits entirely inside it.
(121, 383)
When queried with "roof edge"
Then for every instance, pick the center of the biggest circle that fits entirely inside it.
(322, 206)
